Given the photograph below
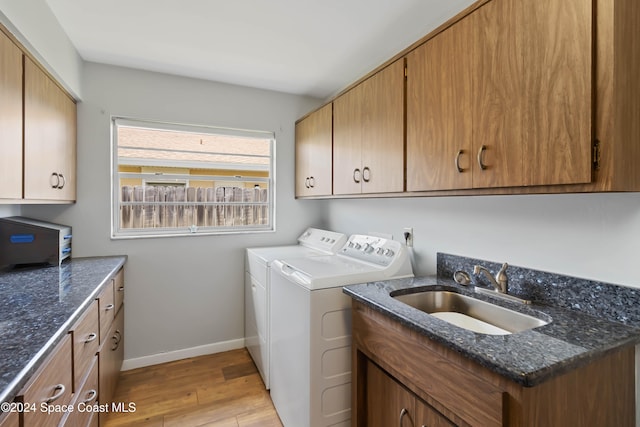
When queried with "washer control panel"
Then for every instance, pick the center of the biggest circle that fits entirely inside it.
(376, 250)
(325, 240)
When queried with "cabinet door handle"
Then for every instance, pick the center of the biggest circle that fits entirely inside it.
(356, 175)
(457, 161)
(121, 289)
(366, 174)
(306, 182)
(91, 396)
(91, 337)
(109, 307)
(117, 337)
(64, 181)
(402, 414)
(481, 157)
(54, 184)
(312, 182)
(61, 389)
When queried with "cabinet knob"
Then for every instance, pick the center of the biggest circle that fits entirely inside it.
(402, 415)
(366, 174)
(481, 157)
(61, 389)
(91, 337)
(356, 175)
(54, 180)
(457, 161)
(91, 396)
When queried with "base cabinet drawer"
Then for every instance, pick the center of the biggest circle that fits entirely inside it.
(85, 335)
(51, 386)
(107, 310)
(118, 288)
(85, 400)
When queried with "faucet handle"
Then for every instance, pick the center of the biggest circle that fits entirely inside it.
(501, 277)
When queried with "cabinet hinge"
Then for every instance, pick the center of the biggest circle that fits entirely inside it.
(596, 155)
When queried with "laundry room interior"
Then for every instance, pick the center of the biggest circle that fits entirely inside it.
(565, 221)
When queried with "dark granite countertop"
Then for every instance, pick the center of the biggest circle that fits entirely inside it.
(37, 308)
(530, 357)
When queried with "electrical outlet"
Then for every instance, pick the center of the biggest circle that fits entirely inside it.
(408, 236)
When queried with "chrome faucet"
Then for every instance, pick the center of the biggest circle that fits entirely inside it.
(500, 282)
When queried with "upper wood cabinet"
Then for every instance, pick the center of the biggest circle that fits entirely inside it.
(508, 97)
(49, 138)
(439, 111)
(314, 137)
(10, 119)
(368, 135)
(503, 98)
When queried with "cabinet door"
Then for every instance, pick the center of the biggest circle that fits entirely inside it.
(532, 115)
(49, 138)
(439, 125)
(383, 131)
(426, 416)
(11, 419)
(110, 360)
(314, 137)
(388, 403)
(348, 112)
(556, 41)
(498, 95)
(368, 135)
(10, 119)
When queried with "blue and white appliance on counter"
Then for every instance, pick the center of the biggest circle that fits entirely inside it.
(25, 241)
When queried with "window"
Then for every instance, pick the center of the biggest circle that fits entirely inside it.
(171, 179)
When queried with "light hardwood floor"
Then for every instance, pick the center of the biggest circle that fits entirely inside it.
(221, 390)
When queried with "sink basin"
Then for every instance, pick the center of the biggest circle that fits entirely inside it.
(470, 313)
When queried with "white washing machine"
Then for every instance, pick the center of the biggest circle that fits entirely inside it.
(313, 242)
(311, 327)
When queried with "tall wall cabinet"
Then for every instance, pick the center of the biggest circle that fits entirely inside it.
(37, 131)
(508, 97)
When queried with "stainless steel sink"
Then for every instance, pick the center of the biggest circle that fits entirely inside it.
(470, 313)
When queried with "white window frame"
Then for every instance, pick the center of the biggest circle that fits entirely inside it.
(123, 233)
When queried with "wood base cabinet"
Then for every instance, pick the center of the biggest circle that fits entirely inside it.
(400, 377)
(10, 419)
(111, 353)
(391, 404)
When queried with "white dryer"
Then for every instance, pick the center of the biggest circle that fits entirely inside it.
(311, 327)
(313, 242)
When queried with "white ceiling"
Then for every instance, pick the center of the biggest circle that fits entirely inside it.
(305, 47)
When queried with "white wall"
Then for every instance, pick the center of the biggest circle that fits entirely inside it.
(181, 292)
(36, 27)
(595, 236)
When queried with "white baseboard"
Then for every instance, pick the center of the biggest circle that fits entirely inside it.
(170, 356)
